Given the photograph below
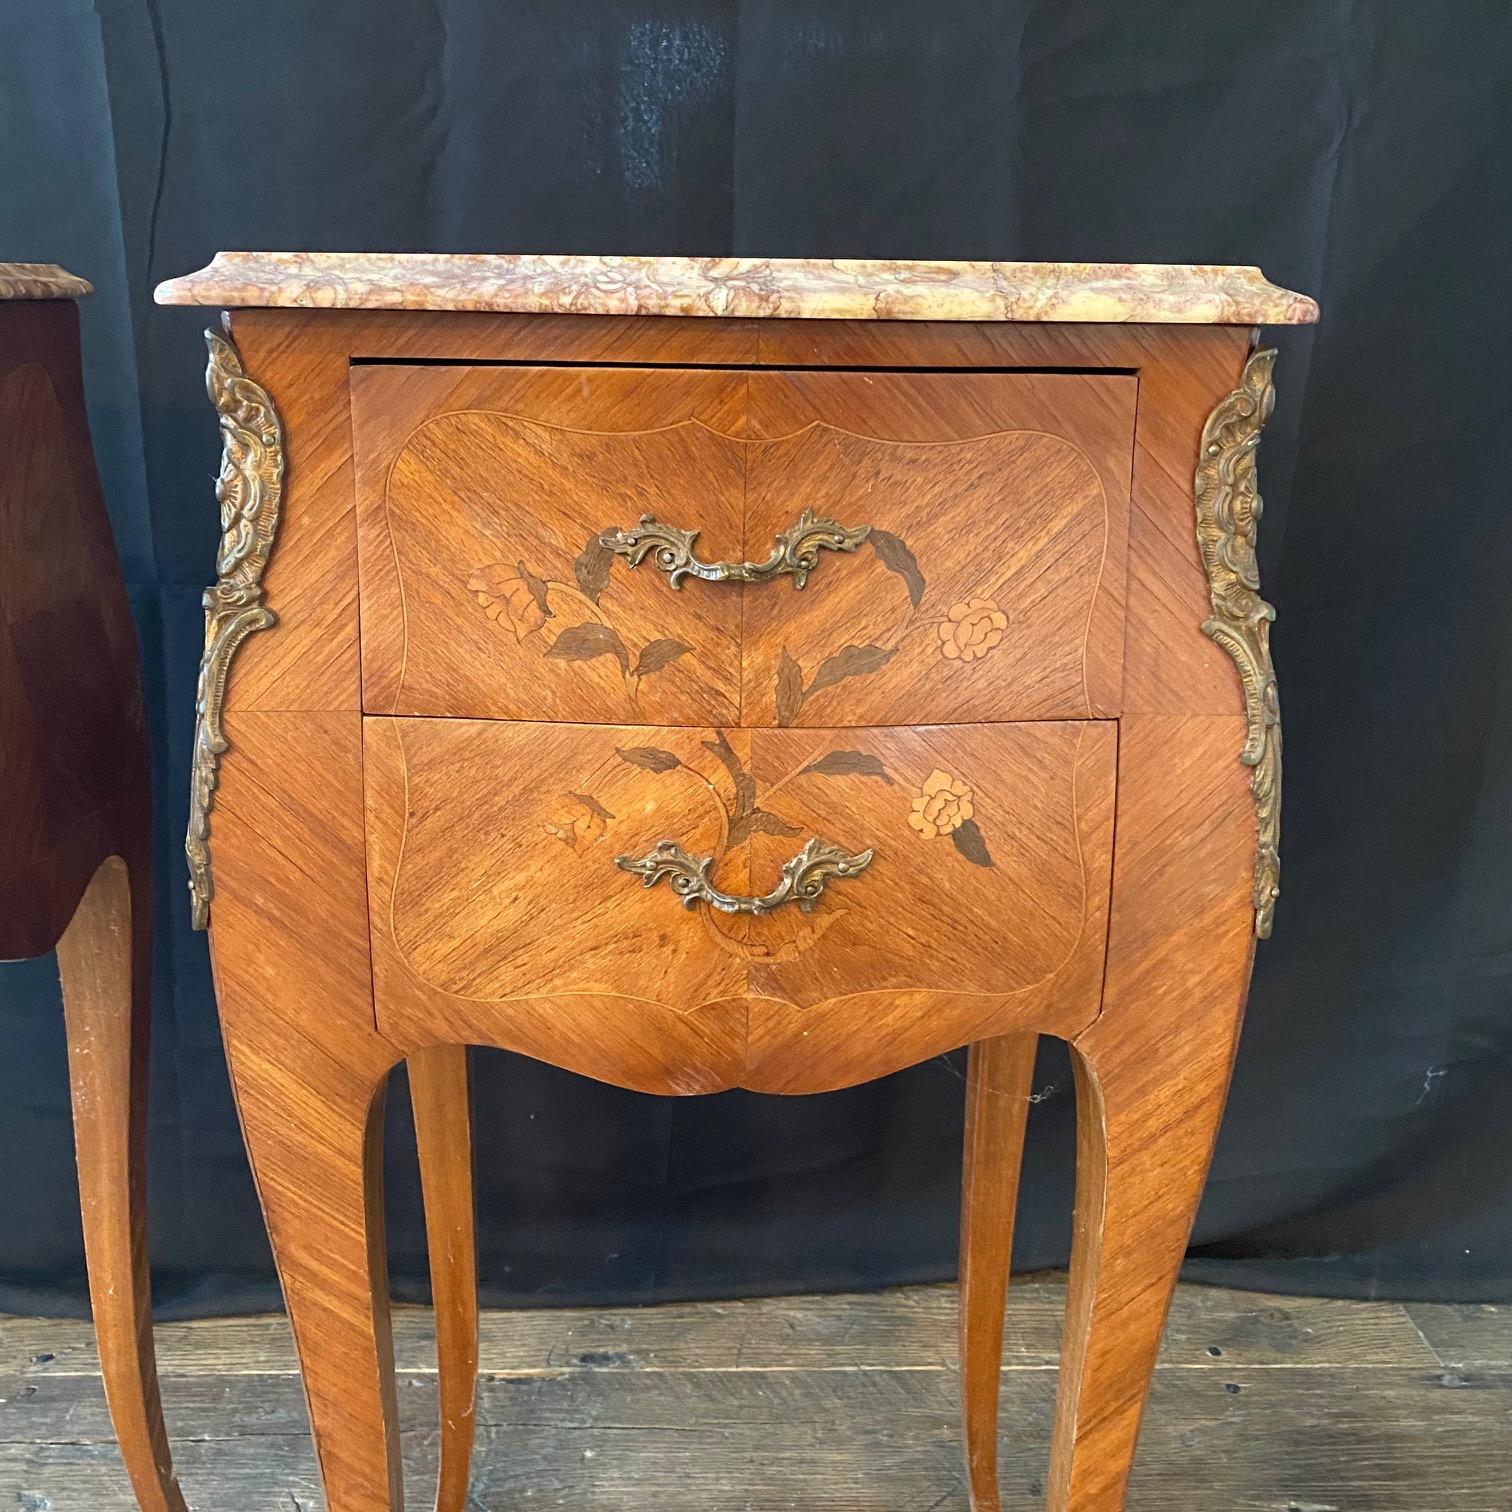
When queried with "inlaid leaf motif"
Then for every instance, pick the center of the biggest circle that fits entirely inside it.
(759, 822)
(895, 555)
(590, 802)
(591, 569)
(849, 764)
(652, 758)
(721, 747)
(745, 784)
(535, 587)
(971, 843)
(584, 642)
(850, 661)
(658, 654)
(789, 688)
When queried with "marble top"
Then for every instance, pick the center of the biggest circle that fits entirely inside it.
(40, 281)
(797, 288)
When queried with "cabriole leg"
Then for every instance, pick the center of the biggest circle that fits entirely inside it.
(998, 1081)
(1152, 1073)
(316, 1151)
(290, 949)
(105, 966)
(443, 1133)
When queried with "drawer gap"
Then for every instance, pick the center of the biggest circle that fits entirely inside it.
(745, 367)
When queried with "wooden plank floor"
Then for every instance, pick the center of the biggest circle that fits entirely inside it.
(826, 1402)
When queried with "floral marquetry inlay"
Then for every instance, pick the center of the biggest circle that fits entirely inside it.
(571, 620)
(567, 620)
(966, 633)
(971, 630)
(939, 805)
(794, 851)
(946, 806)
(695, 547)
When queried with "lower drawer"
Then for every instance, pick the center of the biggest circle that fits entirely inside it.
(588, 894)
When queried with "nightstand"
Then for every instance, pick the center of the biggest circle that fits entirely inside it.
(76, 827)
(702, 673)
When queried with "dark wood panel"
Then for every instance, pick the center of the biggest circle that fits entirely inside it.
(73, 760)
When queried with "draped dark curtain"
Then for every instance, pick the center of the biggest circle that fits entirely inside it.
(1357, 149)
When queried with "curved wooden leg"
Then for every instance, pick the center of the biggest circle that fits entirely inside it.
(999, 1077)
(443, 1134)
(289, 945)
(316, 1151)
(105, 964)
(1152, 1073)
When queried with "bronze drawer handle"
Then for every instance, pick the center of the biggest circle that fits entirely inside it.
(795, 554)
(803, 877)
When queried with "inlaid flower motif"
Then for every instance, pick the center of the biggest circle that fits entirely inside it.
(514, 599)
(577, 821)
(944, 804)
(972, 629)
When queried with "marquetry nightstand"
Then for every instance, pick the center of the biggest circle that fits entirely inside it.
(76, 820)
(710, 673)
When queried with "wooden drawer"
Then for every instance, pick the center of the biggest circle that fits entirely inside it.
(501, 915)
(505, 572)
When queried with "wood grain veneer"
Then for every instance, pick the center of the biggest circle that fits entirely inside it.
(479, 492)
(997, 506)
(994, 583)
(540, 944)
(1006, 697)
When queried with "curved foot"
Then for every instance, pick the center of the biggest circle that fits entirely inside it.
(104, 963)
(443, 1134)
(998, 1080)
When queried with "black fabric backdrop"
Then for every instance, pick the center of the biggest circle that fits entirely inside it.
(1358, 150)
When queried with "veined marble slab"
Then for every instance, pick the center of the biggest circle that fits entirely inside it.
(798, 288)
(40, 281)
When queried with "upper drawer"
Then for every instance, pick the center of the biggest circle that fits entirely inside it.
(876, 547)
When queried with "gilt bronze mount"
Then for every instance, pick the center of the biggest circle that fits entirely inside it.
(250, 492)
(1229, 507)
(803, 878)
(795, 553)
